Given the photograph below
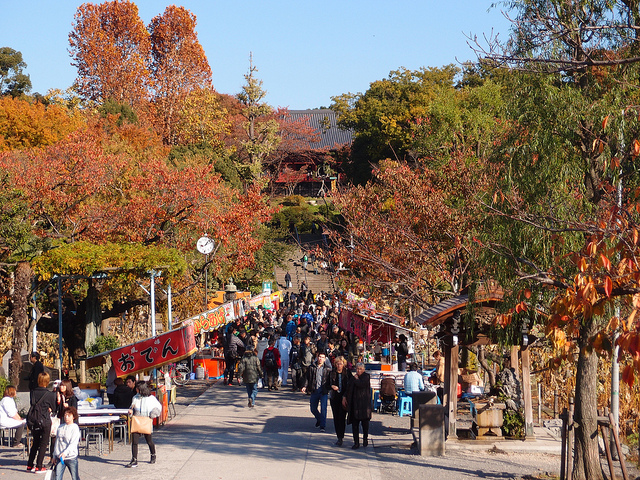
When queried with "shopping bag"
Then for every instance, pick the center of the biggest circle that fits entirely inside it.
(49, 475)
(55, 423)
(142, 425)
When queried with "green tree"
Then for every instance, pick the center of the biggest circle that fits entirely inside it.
(386, 116)
(570, 123)
(12, 80)
(260, 128)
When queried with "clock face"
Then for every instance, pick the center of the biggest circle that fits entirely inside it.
(205, 245)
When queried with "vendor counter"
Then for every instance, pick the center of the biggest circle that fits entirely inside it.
(211, 362)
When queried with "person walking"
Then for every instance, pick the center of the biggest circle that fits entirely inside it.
(271, 363)
(143, 405)
(39, 422)
(284, 347)
(359, 405)
(250, 371)
(287, 280)
(65, 453)
(64, 398)
(317, 383)
(339, 379)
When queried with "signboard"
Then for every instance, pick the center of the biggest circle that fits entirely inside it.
(212, 319)
(154, 352)
(354, 323)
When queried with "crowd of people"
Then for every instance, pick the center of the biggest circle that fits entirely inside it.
(303, 340)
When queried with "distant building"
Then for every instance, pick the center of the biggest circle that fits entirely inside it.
(313, 168)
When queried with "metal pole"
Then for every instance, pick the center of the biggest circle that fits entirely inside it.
(206, 282)
(34, 315)
(153, 303)
(59, 282)
(170, 314)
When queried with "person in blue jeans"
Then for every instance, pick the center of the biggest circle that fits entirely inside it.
(66, 449)
(317, 384)
(250, 371)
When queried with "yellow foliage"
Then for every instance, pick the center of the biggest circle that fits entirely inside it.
(26, 125)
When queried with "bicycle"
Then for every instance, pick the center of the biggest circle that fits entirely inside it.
(178, 373)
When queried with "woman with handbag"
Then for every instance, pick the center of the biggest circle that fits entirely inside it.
(144, 408)
(64, 398)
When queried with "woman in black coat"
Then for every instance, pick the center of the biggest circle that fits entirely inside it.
(359, 405)
(339, 380)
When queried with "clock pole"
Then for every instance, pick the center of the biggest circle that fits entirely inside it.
(206, 281)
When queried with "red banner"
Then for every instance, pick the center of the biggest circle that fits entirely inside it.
(154, 352)
(354, 323)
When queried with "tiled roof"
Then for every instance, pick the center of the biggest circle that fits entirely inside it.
(324, 121)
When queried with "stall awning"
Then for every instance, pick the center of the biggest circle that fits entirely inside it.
(154, 352)
(371, 325)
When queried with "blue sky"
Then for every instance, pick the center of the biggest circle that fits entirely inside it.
(305, 52)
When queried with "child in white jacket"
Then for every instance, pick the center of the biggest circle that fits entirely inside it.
(66, 450)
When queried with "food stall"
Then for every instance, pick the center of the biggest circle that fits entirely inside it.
(210, 361)
(155, 352)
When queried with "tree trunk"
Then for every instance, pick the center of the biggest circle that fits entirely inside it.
(482, 360)
(586, 463)
(20, 315)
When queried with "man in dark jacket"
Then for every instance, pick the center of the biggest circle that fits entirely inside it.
(36, 369)
(124, 392)
(233, 353)
(317, 383)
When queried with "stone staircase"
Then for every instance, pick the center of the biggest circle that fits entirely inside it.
(322, 281)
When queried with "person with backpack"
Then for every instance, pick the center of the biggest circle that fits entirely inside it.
(271, 363)
(39, 422)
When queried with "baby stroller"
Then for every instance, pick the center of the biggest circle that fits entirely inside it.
(388, 396)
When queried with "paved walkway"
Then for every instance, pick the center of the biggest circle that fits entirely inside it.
(218, 437)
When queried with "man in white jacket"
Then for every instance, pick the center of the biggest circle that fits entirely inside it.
(284, 347)
(66, 450)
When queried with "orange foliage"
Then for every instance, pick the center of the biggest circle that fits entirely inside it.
(110, 47)
(76, 190)
(25, 125)
(179, 64)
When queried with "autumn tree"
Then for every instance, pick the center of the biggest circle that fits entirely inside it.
(13, 81)
(178, 66)
(111, 49)
(25, 124)
(579, 61)
(407, 233)
(77, 191)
